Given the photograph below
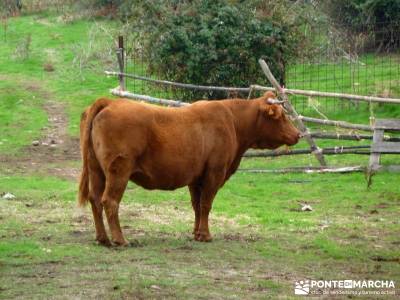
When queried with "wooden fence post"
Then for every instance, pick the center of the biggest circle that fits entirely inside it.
(121, 62)
(289, 107)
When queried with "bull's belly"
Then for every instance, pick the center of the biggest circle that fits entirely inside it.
(167, 172)
(164, 181)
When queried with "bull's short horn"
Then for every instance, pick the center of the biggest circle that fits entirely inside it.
(274, 101)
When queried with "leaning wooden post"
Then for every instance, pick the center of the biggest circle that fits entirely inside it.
(289, 107)
(121, 64)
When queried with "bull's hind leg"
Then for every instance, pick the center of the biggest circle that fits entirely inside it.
(195, 193)
(117, 177)
(97, 182)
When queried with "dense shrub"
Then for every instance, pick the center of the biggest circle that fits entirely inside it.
(214, 42)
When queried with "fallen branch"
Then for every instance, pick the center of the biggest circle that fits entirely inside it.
(180, 85)
(341, 124)
(338, 136)
(308, 170)
(365, 149)
(330, 95)
(349, 137)
(124, 94)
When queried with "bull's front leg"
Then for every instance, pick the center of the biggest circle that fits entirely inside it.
(195, 193)
(210, 186)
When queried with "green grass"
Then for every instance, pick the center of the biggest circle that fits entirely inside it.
(257, 226)
(73, 49)
(262, 243)
(21, 116)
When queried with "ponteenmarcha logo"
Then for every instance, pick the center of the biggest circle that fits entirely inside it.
(302, 287)
(308, 287)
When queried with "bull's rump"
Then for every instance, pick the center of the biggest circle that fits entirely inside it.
(167, 147)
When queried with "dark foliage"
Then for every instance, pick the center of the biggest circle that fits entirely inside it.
(213, 42)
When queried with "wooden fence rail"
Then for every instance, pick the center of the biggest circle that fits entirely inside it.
(364, 150)
(349, 137)
(133, 96)
(307, 93)
(308, 170)
(331, 95)
(180, 85)
(341, 124)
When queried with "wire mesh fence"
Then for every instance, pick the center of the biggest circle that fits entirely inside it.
(363, 63)
(366, 62)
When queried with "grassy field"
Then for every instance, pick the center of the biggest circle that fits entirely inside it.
(49, 71)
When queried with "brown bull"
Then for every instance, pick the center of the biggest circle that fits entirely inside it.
(199, 146)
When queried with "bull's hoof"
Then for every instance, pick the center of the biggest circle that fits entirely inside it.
(203, 237)
(120, 243)
(104, 242)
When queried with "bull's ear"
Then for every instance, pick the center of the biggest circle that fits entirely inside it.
(274, 111)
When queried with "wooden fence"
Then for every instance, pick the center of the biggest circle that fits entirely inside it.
(282, 93)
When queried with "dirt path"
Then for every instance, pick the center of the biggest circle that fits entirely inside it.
(55, 152)
(55, 147)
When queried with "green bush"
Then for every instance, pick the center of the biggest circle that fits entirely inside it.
(214, 42)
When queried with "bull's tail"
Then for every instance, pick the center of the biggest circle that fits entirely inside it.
(85, 143)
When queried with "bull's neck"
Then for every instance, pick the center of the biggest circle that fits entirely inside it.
(245, 114)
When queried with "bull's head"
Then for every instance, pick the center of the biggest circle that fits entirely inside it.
(274, 128)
